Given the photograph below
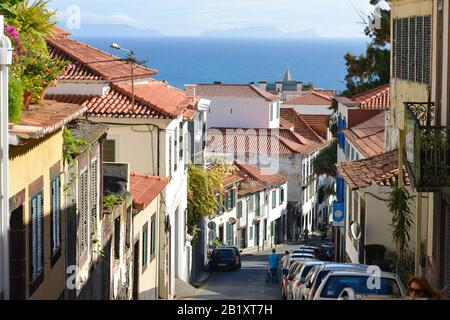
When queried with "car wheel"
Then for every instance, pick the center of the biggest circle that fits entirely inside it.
(283, 295)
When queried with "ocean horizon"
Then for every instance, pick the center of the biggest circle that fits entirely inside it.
(190, 60)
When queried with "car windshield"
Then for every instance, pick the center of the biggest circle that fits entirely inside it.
(362, 285)
(226, 253)
(305, 271)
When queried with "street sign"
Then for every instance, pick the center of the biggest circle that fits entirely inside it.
(212, 225)
(338, 214)
(232, 221)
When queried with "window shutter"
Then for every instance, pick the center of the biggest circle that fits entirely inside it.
(398, 47)
(41, 232)
(94, 196)
(412, 49)
(56, 214)
(83, 211)
(34, 236)
(419, 49)
(404, 51)
(427, 49)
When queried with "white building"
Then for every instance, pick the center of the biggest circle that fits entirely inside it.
(310, 103)
(238, 105)
(254, 203)
(150, 135)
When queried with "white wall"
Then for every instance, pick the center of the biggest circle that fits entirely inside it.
(93, 88)
(310, 109)
(229, 112)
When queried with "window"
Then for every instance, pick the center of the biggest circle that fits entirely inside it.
(94, 196)
(37, 236)
(274, 199)
(230, 199)
(257, 203)
(239, 209)
(152, 238)
(281, 196)
(412, 49)
(109, 151)
(271, 112)
(175, 151)
(265, 229)
(347, 150)
(170, 156)
(278, 110)
(251, 233)
(181, 141)
(251, 203)
(56, 215)
(83, 211)
(117, 238)
(144, 246)
(352, 154)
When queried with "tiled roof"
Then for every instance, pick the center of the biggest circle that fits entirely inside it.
(291, 119)
(90, 62)
(87, 130)
(145, 188)
(154, 99)
(268, 178)
(233, 90)
(45, 119)
(310, 98)
(326, 92)
(375, 99)
(381, 170)
(368, 136)
(318, 122)
(263, 141)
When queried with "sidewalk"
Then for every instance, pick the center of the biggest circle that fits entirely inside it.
(267, 249)
(184, 290)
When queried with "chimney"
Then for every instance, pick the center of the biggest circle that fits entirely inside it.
(299, 86)
(217, 82)
(190, 89)
(278, 86)
(263, 84)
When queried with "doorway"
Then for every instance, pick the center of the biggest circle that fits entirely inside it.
(17, 262)
(257, 234)
(136, 264)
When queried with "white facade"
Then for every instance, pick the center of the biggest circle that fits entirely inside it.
(310, 109)
(237, 112)
(251, 219)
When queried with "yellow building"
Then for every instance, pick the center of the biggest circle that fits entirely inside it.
(37, 248)
(148, 234)
(418, 122)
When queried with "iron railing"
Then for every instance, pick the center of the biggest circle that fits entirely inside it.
(427, 147)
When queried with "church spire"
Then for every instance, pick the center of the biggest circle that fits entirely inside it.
(287, 75)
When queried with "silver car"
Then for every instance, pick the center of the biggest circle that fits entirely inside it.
(317, 274)
(362, 283)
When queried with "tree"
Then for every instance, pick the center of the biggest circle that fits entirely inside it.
(203, 187)
(371, 69)
(325, 162)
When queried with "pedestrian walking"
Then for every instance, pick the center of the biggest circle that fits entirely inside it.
(273, 266)
(421, 288)
(285, 263)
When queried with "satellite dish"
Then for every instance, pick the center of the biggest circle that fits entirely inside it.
(212, 225)
(232, 221)
(355, 229)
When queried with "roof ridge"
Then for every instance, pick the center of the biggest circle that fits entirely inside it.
(309, 127)
(382, 87)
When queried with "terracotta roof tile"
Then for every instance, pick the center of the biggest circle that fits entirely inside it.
(310, 98)
(233, 90)
(368, 136)
(375, 99)
(291, 119)
(263, 141)
(41, 120)
(100, 64)
(154, 99)
(381, 170)
(318, 122)
(265, 177)
(145, 188)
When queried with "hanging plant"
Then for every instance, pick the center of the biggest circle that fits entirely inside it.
(398, 203)
(71, 145)
(203, 186)
(15, 98)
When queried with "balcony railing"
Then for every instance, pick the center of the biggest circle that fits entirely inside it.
(427, 147)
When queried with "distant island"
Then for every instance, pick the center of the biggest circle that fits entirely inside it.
(118, 30)
(259, 32)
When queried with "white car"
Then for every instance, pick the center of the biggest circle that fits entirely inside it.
(299, 280)
(363, 283)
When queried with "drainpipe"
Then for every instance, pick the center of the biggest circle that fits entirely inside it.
(418, 231)
(5, 61)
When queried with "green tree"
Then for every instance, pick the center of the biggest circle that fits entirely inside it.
(203, 186)
(325, 162)
(371, 69)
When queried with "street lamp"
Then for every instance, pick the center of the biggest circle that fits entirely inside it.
(132, 59)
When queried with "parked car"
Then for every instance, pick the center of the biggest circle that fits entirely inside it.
(226, 258)
(336, 281)
(300, 278)
(326, 252)
(318, 273)
(294, 266)
(304, 256)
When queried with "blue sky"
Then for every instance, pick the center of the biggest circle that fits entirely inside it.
(329, 18)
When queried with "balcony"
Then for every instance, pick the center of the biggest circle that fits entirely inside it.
(427, 148)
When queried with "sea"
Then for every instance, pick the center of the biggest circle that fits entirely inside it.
(190, 60)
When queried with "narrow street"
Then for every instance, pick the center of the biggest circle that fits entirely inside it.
(247, 283)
